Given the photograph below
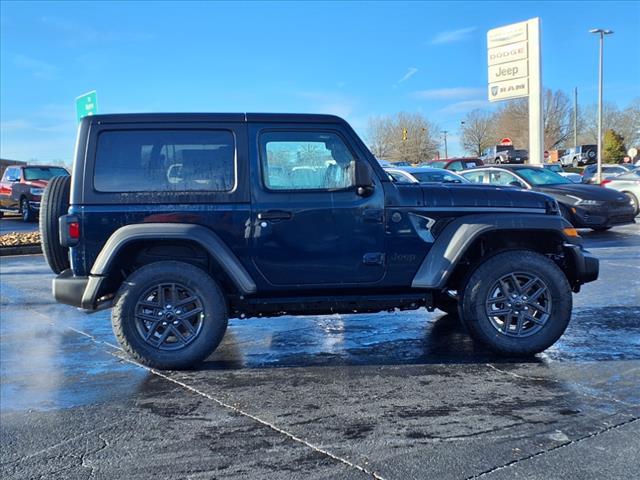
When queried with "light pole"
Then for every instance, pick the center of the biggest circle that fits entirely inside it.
(446, 153)
(602, 33)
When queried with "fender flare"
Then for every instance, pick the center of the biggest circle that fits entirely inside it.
(460, 234)
(175, 231)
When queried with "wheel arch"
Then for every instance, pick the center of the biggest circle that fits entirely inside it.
(465, 241)
(195, 244)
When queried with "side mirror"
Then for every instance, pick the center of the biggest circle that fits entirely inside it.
(363, 178)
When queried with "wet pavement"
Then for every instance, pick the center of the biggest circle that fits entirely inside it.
(13, 223)
(394, 396)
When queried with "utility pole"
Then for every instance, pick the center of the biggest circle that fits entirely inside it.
(575, 117)
(602, 33)
(446, 153)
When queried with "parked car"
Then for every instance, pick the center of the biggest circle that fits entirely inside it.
(579, 156)
(176, 260)
(587, 206)
(589, 173)
(504, 154)
(456, 164)
(21, 188)
(627, 183)
(423, 175)
(557, 168)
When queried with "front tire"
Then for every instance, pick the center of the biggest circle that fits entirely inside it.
(28, 215)
(518, 303)
(169, 315)
(633, 200)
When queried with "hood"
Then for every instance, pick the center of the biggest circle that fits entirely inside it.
(583, 191)
(36, 183)
(480, 195)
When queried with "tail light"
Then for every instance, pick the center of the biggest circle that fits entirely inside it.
(605, 181)
(69, 230)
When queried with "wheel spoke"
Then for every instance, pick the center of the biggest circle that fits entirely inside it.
(178, 334)
(493, 301)
(152, 330)
(534, 296)
(186, 301)
(520, 323)
(503, 311)
(528, 285)
(538, 307)
(164, 335)
(533, 319)
(190, 313)
(516, 284)
(148, 318)
(148, 304)
(187, 325)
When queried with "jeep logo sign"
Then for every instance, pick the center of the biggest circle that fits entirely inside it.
(508, 71)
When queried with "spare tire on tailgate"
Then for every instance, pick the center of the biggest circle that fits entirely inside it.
(55, 203)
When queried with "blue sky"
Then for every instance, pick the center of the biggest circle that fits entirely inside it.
(354, 59)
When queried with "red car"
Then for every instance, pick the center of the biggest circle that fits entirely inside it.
(21, 188)
(456, 164)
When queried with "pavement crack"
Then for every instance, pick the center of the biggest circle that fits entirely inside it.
(557, 447)
(523, 377)
(237, 410)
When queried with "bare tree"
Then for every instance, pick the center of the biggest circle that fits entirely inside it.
(409, 137)
(626, 122)
(477, 132)
(512, 120)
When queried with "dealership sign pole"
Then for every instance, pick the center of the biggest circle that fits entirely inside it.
(513, 57)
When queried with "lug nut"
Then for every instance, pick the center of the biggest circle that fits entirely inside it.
(175, 323)
(164, 324)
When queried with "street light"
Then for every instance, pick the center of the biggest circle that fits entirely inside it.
(446, 153)
(602, 33)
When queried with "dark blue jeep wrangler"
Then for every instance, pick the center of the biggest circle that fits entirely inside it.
(181, 221)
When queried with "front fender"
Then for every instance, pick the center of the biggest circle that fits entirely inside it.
(460, 234)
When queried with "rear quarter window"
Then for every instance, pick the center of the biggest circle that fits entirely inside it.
(165, 160)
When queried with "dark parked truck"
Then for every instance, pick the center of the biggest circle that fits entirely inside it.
(181, 221)
(21, 188)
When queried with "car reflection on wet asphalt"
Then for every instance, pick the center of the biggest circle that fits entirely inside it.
(390, 395)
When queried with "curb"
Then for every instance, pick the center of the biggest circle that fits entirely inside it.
(20, 250)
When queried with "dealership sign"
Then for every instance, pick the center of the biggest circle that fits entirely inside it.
(513, 63)
(508, 52)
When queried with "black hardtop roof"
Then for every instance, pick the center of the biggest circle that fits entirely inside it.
(214, 117)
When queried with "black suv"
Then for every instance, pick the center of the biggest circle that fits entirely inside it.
(181, 221)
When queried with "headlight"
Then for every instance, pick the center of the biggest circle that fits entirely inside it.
(37, 191)
(582, 201)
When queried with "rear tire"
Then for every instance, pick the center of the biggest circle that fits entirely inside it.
(534, 318)
(55, 203)
(149, 317)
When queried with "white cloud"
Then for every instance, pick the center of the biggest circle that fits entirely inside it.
(410, 73)
(39, 68)
(451, 36)
(447, 93)
(465, 106)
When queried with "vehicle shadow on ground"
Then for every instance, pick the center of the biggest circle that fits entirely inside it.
(349, 342)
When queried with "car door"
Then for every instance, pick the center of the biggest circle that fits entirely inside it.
(310, 227)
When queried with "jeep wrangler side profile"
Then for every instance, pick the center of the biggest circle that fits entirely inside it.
(182, 221)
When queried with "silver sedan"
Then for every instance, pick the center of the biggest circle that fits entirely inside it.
(627, 183)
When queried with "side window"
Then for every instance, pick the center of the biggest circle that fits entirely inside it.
(11, 174)
(165, 160)
(455, 166)
(306, 161)
(477, 177)
(502, 178)
(398, 177)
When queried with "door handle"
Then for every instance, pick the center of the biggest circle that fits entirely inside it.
(275, 215)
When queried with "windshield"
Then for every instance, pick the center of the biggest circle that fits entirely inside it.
(438, 177)
(437, 164)
(554, 168)
(43, 173)
(541, 176)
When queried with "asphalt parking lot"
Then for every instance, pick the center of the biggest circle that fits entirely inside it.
(394, 396)
(13, 223)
